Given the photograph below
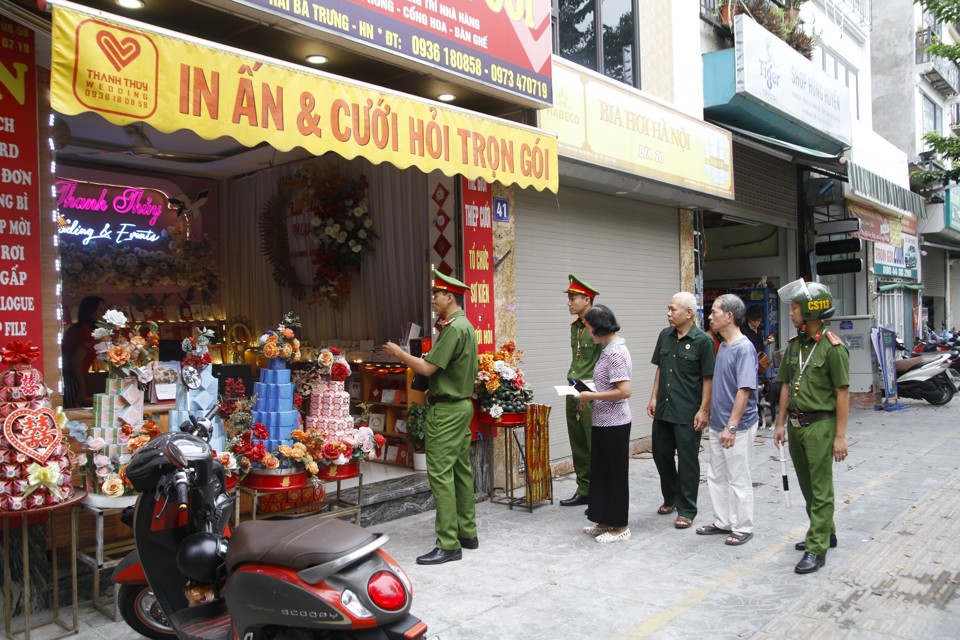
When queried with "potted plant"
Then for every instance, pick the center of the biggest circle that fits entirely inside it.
(417, 429)
(727, 10)
(791, 10)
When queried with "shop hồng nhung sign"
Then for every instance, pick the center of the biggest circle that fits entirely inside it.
(21, 301)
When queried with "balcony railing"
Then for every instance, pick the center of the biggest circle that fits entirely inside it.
(942, 73)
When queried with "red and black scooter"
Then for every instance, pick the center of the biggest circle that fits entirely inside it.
(191, 579)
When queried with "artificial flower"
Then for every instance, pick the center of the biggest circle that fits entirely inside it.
(113, 487)
(499, 386)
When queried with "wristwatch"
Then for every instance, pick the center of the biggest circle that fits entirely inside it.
(732, 428)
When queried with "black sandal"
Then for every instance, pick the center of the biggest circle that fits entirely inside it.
(711, 530)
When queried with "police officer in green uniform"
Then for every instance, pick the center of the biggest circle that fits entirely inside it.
(451, 366)
(580, 297)
(815, 403)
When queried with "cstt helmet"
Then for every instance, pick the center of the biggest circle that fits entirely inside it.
(814, 299)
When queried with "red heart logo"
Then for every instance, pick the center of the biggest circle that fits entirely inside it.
(120, 53)
(33, 432)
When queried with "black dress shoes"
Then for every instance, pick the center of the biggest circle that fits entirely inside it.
(810, 563)
(439, 556)
(802, 545)
(470, 543)
(575, 501)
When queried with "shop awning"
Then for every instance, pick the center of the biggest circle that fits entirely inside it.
(833, 162)
(130, 72)
(900, 285)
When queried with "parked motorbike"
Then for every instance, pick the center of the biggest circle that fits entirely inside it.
(191, 578)
(928, 377)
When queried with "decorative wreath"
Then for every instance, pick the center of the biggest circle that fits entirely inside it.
(341, 231)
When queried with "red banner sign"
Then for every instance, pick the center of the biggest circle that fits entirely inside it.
(478, 260)
(21, 302)
(505, 44)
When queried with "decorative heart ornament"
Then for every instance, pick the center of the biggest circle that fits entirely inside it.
(120, 53)
(33, 432)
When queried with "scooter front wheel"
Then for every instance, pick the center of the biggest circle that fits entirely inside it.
(142, 612)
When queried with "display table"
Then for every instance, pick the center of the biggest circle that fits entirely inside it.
(330, 507)
(526, 451)
(103, 556)
(29, 623)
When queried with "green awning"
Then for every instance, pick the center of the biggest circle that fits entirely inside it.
(900, 285)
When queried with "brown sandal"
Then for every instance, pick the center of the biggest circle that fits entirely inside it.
(666, 509)
(683, 522)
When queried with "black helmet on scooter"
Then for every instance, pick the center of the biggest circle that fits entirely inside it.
(814, 299)
(201, 556)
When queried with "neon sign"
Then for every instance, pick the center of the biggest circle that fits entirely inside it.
(103, 212)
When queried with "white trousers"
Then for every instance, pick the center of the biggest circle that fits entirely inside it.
(730, 483)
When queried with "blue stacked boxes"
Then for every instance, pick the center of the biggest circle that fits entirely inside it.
(274, 408)
(198, 403)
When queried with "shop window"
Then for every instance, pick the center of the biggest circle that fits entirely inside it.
(598, 34)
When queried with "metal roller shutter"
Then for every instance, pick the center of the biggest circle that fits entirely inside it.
(628, 250)
(933, 273)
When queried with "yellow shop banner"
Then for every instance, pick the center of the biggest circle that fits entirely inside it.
(609, 124)
(129, 72)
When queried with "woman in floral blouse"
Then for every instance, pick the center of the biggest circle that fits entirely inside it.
(609, 453)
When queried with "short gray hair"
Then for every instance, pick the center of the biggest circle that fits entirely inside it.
(686, 300)
(730, 303)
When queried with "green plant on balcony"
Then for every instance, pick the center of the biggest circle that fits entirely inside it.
(801, 41)
(780, 21)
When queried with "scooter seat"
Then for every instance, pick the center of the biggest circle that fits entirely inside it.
(906, 364)
(296, 544)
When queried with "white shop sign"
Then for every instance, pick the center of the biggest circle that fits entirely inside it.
(769, 70)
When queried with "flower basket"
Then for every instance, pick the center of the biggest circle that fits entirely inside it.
(505, 420)
(275, 479)
(340, 471)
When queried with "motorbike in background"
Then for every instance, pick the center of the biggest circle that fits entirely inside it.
(929, 376)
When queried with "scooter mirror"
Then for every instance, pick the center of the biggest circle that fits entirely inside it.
(190, 377)
(175, 455)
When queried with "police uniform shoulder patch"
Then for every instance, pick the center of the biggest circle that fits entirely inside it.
(793, 338)
(834, 339)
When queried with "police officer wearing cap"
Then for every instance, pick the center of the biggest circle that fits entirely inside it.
(580, 297)
(814, 402)
(451, 366)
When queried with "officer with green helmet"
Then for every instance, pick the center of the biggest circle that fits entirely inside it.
(815, 403)
(451, 367)
(585, 354)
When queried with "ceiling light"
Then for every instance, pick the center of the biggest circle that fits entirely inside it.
(317, 59)
(446, 97)
(131, 4)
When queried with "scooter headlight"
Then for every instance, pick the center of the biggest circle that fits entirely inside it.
(351, 603)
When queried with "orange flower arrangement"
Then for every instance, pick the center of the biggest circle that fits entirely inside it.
(282, 342)
(500, 386)
(124, 351)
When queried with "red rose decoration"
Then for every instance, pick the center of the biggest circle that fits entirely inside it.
(379, 439)
(339, 372)
(331, 450)
(260, 431)
(257, 452)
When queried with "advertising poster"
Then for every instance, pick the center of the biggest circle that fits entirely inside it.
(505, 44)
(478, 260)
(21, 300)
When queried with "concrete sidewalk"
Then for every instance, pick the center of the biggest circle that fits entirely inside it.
(536, 575)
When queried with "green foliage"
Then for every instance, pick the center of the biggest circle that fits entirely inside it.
(945, 148)
(417, 425)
